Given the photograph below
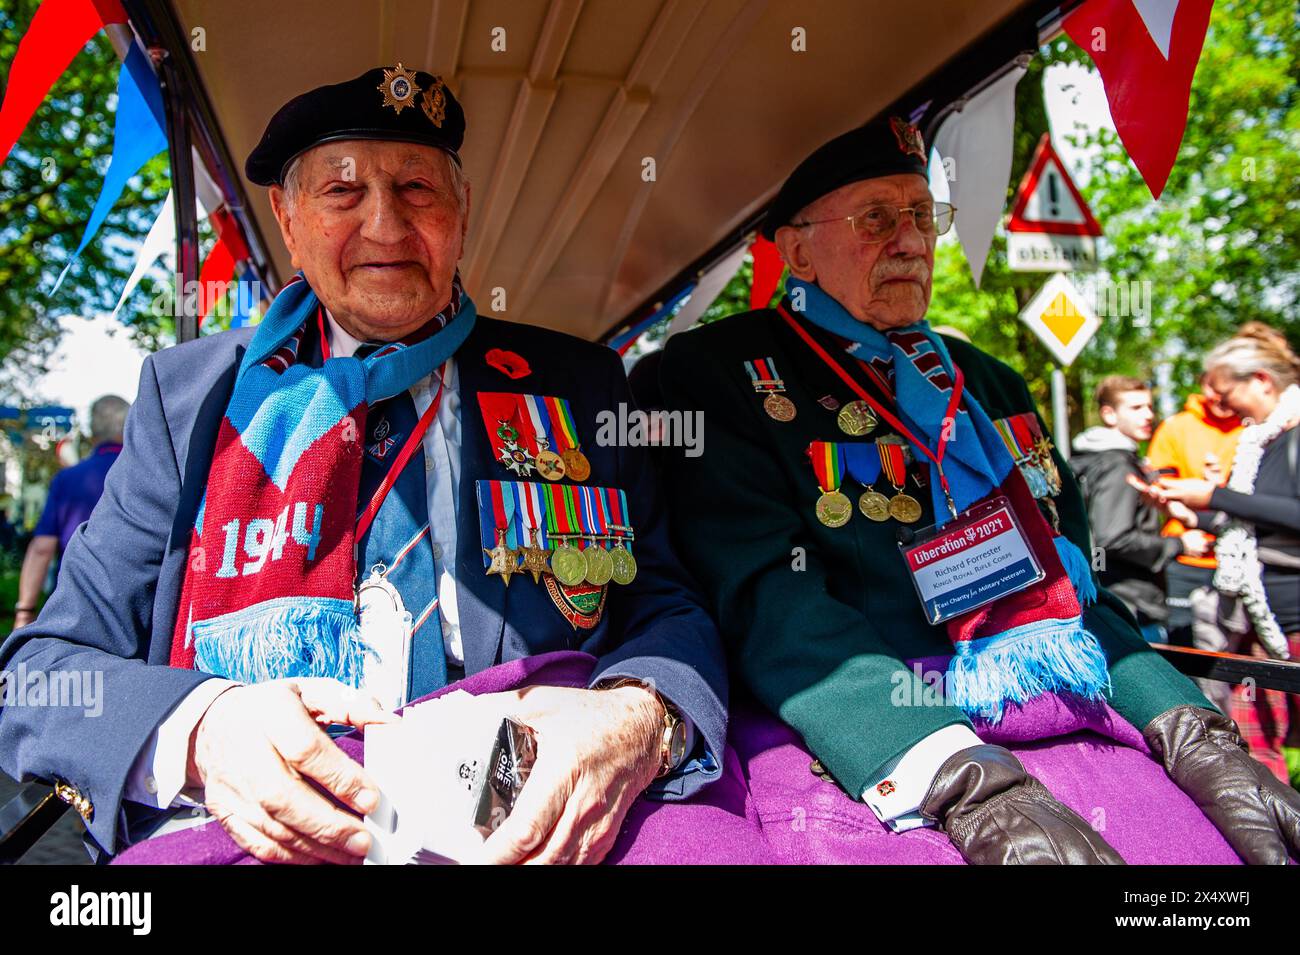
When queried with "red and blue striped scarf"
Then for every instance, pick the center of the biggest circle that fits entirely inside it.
(268, 589)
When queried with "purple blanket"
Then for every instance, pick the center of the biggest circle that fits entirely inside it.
(768, 807)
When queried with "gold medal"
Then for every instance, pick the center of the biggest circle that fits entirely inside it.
(534, 557)
(874, 505)
(549, 464)
(568, 565)
(624, 564)
(576, 464)
(779, 407)
(505, 560)
(905, 508)
(599, 565)
(834, 509)
(856, 418)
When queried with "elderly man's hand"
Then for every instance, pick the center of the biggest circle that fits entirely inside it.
(597, 750)
(255, 751)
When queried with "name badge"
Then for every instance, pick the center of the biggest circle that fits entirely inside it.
(978, 557)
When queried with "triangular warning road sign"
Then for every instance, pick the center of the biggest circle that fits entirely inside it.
(1047, 199)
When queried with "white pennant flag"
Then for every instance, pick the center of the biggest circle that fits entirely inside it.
(708, 288)
(161, 237)
(160, 241)
(976, 144)
(1158, 15)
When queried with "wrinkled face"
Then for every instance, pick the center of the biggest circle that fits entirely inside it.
(1131, 415)
(886, 285)
(1254, 397)
(377, 228)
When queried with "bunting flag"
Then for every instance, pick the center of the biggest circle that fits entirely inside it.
(978, 141)
(161, 237)
(138, 135)
(219, 267)
(58, 31)
(1146, 52)
(706, 291)
(767, 272)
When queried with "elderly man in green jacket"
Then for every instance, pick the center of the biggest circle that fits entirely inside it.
(871, 493)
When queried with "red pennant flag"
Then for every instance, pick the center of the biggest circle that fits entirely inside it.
(1146, 52)
(57, 33)
(767, 272)
(219, 267)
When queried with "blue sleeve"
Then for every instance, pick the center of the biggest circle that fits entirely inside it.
(670, 640)
(48, 525)
(91, 641)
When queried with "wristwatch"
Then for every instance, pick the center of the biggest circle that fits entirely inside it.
(672, 744)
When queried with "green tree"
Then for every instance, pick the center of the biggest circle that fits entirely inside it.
(48, 186)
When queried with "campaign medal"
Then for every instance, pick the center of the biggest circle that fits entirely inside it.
(548, 463)
(535, 557)
(863, 465)
(833, 508)
(505, 560)
(624, 562)
(562, 433)
(567, 563)
(893, 461)
(766, 382)
(857, 419)
(599, 565)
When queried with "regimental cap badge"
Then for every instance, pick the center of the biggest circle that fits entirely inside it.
(908, 136)
(399, 88)
(434, 102)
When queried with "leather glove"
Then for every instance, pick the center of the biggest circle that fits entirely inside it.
(995, 813)
(1203, 753)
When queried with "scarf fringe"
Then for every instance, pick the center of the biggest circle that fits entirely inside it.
(1077, 569)
(293, 637)
(1042, 657)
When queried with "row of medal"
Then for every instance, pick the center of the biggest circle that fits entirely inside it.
(856, 418)
(572, 533)
(864, 462)
(534, 433)
(1032, 451)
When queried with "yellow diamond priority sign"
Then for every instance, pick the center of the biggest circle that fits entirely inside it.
(1062, 318)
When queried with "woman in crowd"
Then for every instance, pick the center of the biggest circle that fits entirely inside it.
(1257, 518)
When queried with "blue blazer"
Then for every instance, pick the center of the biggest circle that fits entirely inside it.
(115, 606)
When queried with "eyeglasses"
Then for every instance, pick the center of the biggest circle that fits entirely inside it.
(878, 223)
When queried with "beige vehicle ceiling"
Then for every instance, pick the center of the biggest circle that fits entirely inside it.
(562, 121)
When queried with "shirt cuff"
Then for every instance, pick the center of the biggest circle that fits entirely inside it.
(897, 796)
(158, 774)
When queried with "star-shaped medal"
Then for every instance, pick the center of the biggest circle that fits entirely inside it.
(536, 559)
(505, 560)
(399, 88)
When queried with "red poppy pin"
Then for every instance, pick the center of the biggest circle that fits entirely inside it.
(508, 363)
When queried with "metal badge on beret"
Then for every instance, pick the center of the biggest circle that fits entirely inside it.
(399, 88)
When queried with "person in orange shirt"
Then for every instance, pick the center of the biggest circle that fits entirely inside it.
(1198, 442)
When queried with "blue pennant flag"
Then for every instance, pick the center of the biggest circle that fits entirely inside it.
(139, 134)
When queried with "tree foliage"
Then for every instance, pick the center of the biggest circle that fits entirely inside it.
(48, 187)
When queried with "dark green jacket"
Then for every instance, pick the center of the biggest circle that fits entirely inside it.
(819, 620)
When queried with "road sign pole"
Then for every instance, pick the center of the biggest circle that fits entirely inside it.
(1060, 413)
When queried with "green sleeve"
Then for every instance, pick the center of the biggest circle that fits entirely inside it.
(809, 657)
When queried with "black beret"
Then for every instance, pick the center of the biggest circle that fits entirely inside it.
(384, 103)
(884, 147)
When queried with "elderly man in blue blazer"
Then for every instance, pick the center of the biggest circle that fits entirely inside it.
(320, 519)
